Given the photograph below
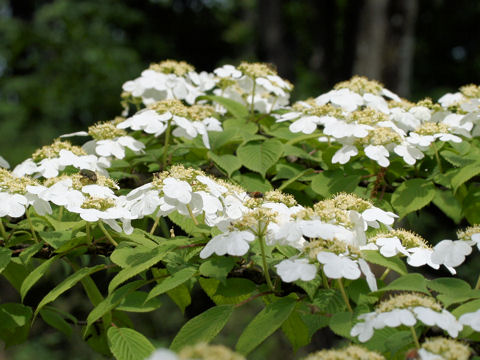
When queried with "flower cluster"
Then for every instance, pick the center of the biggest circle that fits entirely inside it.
(253, 84)
(187, 121)
(109, 140)
(365, 118)
(50, 160)
(405, 310)
(352, 352)
(169, 79)
(197, 352)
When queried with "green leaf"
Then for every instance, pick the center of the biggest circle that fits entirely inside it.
(449, 286)
(334, 181)
(35, 275)
(233, 291)
(65, 225)
(55, 320)
(137, 302)
(67, 284)
(329, 301)
(111, 301)
(265, 324)
(5, 256)
(464, 174)
(227, 162)
(253, 182)
(471, 205)
(471, 306)
(56, 238)
(237, 109)
(180, 296)
(341, 324)
(260, 156)
(128, 344)
(393, 263)
(27, 254)
(14, 323)
(143, 262)
(447, 202)
(409, 282)
(296, 331)
(412, 195)
(202, 328)
(172, 282)
(217, 267)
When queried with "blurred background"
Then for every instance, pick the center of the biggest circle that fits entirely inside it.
(63, 62)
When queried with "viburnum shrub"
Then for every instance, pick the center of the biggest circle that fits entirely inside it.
(216, 181)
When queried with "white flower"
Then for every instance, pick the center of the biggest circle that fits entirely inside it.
(297, 269)
(444, 319)
(374, 215)
(4, 163)
(391, 246)
(319, 229)
(177, 191)
(343, 155)
(337, 266)
(476, 239)
(163, 354)
(451, 253)
(471, 319)
(13, 205)
(369, 276)
(364, 329)
(395, 318)
(378, 153)
(306, 125)
(427, 355)
(232, 243)
(344, 98)
(420, 256)
(409, 153)
(148, 121)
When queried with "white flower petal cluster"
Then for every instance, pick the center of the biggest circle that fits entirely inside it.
(405, 310)
(291, 270)
(190, 193)
(441, 348)
(253, 84)
(169, 80)
(15, 197)
(187, 122)
(49, 167)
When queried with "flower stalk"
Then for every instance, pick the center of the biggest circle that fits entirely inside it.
(344, 295)
(107, 235)
(166, 143)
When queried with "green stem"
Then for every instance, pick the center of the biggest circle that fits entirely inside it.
(477, 286)
(437, 157)
(31, 226)
(191, 215)
(384, 275)
(325, 281)
(261, 239)
(166, 143)
(252, 104)
(415, 338)
(295, 178)
(107, 235)
(87, 230)
(344, 295)
(60, 213)
(303, 138)
(3, 231)
(154, 226)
